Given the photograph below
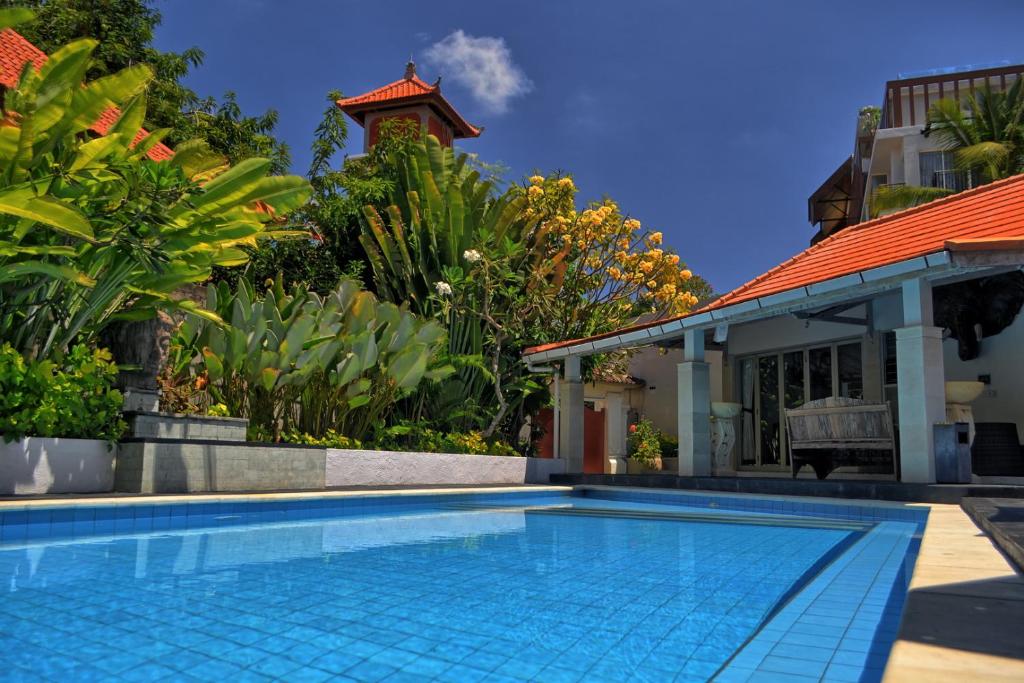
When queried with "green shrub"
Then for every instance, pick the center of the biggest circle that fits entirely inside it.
(218, 410)
(644, 445)
(74, 398)
(669, 445)
(417, 438)
(331, 439)
(296, 361)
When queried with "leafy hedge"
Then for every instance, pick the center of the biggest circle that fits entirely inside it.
(73, 398)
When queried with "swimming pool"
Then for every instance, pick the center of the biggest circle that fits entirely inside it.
(553, 586)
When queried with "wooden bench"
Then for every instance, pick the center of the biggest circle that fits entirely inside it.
(817, 429)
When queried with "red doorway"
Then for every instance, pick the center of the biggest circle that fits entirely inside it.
(593, 438)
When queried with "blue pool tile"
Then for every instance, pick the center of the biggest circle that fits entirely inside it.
(312, 593)
(787, 665)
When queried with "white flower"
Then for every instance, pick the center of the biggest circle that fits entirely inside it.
(472, 255)
(443, 288)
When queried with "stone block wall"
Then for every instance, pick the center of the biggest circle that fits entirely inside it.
(195, 467)
(147, 425)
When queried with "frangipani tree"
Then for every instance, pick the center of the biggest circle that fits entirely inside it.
(91, 229)
(594, 269)
(508, 270)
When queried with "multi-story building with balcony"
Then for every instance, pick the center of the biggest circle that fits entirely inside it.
(891, 149)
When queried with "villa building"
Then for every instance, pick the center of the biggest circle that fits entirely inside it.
(409, 98)
(891, 149)
(886, 311)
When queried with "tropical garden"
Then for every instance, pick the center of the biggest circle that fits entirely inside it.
(380, 300)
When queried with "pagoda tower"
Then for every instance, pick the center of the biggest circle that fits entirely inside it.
(412, 99)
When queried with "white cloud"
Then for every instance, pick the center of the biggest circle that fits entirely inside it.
(482, 65)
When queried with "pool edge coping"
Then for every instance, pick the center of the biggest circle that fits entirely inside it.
(257, 496)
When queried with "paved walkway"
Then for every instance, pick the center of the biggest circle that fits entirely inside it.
(964, 616)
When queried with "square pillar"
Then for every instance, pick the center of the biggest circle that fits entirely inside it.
(694, 408)
(920, 382)
(570, 405)
(615, 425)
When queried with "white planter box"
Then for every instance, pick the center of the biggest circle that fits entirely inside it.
(36, 465)
(393, 468)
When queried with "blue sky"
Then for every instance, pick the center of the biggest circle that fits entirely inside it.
(710, 121)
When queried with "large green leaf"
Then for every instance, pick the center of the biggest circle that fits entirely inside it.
(24, 203)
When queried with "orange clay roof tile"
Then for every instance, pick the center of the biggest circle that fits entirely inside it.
(992, 214)
(408, 90)
(16, 51)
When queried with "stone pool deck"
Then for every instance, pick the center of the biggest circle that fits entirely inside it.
(963, 617)
(964, 614)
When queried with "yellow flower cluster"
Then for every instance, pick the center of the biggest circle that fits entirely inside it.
(616, 259)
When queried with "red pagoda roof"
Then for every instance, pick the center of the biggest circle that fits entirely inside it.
(15, 51)
(410, 89)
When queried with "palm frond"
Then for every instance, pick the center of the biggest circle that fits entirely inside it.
(891, 198)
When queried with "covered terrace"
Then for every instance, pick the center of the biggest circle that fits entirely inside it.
(883, 312)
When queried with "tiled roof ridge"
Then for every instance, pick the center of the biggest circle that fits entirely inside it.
(414, 80)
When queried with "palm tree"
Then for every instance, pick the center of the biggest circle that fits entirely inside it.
(986, 137)
(989, 139)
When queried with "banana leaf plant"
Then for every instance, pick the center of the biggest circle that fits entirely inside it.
(91, 230)
(441, 210)
(299, 361)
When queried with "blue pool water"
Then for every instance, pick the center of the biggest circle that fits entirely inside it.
(491, 589)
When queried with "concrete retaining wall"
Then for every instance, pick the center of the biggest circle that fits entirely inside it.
(37, 465)
(193, 467)
(392, 468)
(146, 425)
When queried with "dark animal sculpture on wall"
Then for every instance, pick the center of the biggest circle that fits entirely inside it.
(976, 309)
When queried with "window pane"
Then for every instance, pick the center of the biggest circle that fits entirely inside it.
(768, 375)
(820, 370)
(889, 342)
(748, 451)
(793, 375)
(851, 377)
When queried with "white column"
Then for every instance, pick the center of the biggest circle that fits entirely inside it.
(920, 378)
(570, 437)
(615, 430)
(694, 408)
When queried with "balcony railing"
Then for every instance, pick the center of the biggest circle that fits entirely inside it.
(953, 180)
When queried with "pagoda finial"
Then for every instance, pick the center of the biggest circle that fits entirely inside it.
(410, 69)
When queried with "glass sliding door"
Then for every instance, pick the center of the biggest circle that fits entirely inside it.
(819, 367)
(770, 384)
(748, 448)
(768, 404)
(850, 370)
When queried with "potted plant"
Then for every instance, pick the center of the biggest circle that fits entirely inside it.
(645, 445)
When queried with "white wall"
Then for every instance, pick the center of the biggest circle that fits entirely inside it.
(1002, 357)
(658, 398)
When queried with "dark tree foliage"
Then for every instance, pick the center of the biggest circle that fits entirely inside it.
(334, 211)
(124, 29)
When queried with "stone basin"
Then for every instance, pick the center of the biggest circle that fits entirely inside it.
(725, 410)
(961, 392)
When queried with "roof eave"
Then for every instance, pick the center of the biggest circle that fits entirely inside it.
(859, 284)
(463, 129)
